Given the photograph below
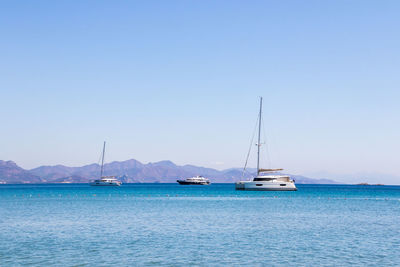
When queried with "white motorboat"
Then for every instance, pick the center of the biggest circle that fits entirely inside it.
(105, 180)
(198, 180)
(266, 179)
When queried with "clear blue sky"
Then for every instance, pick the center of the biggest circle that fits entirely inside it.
(180, 80)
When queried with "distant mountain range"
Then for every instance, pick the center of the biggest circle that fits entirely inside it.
(129, 171)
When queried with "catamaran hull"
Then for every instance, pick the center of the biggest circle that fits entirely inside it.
(263, 186)
(104, 184)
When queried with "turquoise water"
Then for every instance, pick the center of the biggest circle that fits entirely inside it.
(173, 225)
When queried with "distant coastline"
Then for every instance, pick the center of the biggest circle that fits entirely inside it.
(133, 171)
(367, 184)
(129, 171)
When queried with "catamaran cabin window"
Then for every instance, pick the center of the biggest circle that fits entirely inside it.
(263, 179)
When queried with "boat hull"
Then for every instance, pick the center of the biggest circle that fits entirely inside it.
(104, 184)
(265, 186)
(192, 183)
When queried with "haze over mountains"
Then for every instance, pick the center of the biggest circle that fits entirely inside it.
(129, 171)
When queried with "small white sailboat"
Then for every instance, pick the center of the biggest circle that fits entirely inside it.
(105, 180)
(266, 179)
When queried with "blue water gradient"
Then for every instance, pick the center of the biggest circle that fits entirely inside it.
(173, 225)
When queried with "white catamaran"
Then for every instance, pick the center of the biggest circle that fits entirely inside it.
(105, 180)
(266, 179)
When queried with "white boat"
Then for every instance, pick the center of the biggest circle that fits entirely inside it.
(105, 180)
(266, 179)
(197, 180)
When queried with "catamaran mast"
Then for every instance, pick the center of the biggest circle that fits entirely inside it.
(258, 143)
(102, 159)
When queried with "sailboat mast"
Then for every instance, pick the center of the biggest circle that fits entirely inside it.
(259, 136)
(102, 159)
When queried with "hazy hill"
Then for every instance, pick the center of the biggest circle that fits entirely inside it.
(12, 173)
(129, 171)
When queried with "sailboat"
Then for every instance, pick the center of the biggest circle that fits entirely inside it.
(105, 180)
(266, 179)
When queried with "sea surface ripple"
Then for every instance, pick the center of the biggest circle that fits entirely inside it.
(173, 225)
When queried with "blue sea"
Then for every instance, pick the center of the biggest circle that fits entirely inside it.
(174, 225)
